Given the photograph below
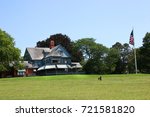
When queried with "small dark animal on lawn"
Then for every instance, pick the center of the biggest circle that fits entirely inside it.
(100, 78)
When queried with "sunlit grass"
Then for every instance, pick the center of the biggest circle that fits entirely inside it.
(76, 87)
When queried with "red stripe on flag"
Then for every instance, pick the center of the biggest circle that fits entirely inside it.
(131, 38)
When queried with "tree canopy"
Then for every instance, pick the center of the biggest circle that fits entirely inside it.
(8, 52)
(59, 38)
(85, 45)
(145, 54)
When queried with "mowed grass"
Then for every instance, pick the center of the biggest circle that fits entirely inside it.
(76, 87)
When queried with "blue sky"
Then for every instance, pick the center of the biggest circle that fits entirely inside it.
(108, 21)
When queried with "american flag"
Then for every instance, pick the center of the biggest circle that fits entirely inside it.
(131, 41)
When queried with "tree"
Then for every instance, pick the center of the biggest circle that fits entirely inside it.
(94, 54)
(145, 54)
(131, 61)
(118, 46)
(124, 51)
(96, 63)
(8, 52)
(112, 59)
(92, 66)
(64, 40)
(85, 45)
(125, 57)
(76, 54)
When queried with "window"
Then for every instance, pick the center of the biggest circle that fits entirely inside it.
(65, 61)
(21, 73)
(55, 61)
(47, 60)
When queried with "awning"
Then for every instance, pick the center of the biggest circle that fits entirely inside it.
(50, 67)
(76, 65)
(41, 68)
(69, 66)
(23, 70)
(62, 66)
(47, 67)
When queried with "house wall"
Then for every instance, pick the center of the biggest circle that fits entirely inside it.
(27, 56)
(56, 60)
(30, 72)
(37, 63)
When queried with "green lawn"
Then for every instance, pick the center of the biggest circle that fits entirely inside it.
(76, 87)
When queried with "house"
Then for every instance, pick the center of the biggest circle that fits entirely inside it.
(47, 61)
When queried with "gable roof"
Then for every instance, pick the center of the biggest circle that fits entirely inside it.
(37, 53)
(58, 51)
(40, 53)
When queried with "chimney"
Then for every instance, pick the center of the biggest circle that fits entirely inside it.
(52, 44)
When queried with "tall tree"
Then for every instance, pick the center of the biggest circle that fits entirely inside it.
(76, 54)
(85, 45)
(9, 54)
(145, 54)
(94, 54)
(59, 38)
(125, 57)
(111, 60)
(118, 46)
(124, 52)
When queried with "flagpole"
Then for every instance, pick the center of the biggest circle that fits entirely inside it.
(135, 59)
(131, 41)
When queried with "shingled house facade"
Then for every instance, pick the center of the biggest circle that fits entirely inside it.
(48, 61)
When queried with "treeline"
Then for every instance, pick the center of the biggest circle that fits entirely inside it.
(94, 57)
(99, 59)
